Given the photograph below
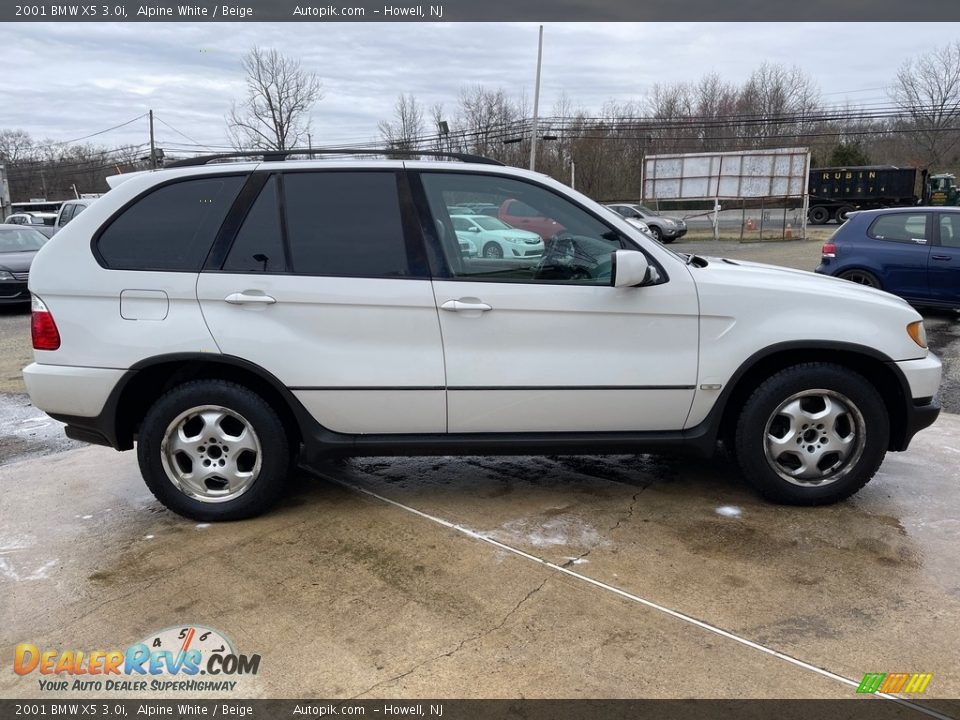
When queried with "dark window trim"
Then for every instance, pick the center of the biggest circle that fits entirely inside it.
(929, 231)
(236, 216)
(412, 236)
(95, 240)
(438, 261)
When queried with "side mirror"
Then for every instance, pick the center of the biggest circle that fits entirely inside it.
(630, 268)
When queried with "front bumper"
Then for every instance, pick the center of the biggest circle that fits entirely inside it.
(14, 292)
(674, 232)
(922, 378)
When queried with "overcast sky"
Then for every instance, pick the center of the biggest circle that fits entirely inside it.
(65, 81)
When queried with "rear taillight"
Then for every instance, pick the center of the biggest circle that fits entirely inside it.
(829, 250)
(43, 328)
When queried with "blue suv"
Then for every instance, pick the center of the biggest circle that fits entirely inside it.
(910, 252)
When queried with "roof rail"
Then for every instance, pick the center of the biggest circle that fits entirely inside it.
(275, 155)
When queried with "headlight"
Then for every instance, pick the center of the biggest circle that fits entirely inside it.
(918, 333)
(4, 275)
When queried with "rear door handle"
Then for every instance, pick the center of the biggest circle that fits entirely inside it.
(465, 306)
(248, 298)
(941, 257)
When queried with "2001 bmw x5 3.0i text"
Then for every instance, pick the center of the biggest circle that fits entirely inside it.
(230, 319)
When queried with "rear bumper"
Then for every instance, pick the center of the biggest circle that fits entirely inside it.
(70, 390)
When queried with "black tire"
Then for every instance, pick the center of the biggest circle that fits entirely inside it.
(842, 213)
(666, 240)
(818, 215)
(656, 232)
(866, 418)
(492, 250)
(267, 475)
(861, 277)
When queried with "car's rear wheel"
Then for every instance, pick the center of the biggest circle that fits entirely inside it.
(861, 277)
(213, 450)
(492, 250)
(812, 434)
(819, 215)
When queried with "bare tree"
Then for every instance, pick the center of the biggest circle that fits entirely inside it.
(15, 145)
(275, 114)
(927, 90)
(405, 131)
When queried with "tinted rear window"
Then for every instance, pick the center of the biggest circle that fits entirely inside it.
(345, 224)
(172, 228)
(900, 227)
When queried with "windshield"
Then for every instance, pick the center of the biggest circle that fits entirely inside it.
(489, 223)
(647, 211)
(20, 240)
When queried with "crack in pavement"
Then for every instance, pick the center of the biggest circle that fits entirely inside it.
(460, 645)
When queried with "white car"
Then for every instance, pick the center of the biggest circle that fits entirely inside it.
(493, 238)
(180, 314)
(69, 210)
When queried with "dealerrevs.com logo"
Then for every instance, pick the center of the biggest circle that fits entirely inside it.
(187, 658)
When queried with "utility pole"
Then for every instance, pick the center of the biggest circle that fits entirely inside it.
(536, 105)
(153, 146)
(573, 175)
(309, 142)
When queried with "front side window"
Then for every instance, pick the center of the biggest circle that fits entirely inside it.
(66, 215)
(950, 230)
(550, 239)
(345, 224)
(171, 228)
(900, 227)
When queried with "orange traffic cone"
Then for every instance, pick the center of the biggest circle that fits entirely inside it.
(788, 233)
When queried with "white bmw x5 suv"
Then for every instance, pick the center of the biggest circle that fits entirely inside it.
(232, 318)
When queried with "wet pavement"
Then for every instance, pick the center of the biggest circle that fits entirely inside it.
(618, 576)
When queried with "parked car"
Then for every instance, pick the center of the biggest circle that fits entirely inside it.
(635, 221)
(663, 228)
(69, 210)
(910, 252)
(18, 247)
(178, 314)
(523, 217)
(30, 218)
(492, 238)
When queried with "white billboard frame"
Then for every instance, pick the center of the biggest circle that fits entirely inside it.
(734, 175)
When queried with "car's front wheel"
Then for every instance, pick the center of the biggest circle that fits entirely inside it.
(657, 233)
(492, 250)
(812, 434)
(213, 450)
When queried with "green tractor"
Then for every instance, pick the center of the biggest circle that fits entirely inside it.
(941, 189)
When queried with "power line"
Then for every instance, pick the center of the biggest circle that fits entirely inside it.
(101, 132)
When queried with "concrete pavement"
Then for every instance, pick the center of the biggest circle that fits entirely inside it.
(662, 577)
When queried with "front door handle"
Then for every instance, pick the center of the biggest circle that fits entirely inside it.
(248, 298)
(941, 257)
(465, 305)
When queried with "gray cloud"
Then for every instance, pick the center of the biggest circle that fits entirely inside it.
(74, 79)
